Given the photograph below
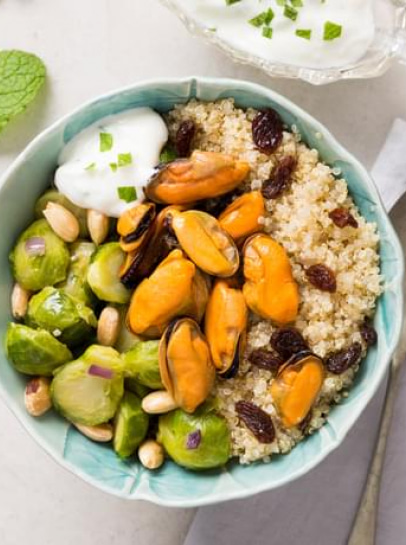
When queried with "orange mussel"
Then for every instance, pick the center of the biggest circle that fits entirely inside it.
(241, 218)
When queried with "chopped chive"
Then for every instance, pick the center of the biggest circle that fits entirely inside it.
(91, 166)
(231, 2)
(124, 159)
(264, 18)
(290, 12)
(127, 193)
(332, 31)
(305, 33)
(106, 141)
(267, 32)
(113, 166)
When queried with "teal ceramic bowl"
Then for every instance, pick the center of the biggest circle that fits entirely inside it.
(97, 464)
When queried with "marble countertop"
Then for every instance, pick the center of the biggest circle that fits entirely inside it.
(90, 48)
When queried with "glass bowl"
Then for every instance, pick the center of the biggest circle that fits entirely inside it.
(389, 45)
(172, 485)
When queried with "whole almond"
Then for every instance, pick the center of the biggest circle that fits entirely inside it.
(37, 396)
(158, 402)
(108, 327)
(151, 454)
(19, 301)
(98, 225)
(100, 434)
(62, 221)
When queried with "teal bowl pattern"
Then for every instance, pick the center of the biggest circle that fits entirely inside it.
(97, 464)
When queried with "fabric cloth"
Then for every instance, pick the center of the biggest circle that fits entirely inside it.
(319, 508)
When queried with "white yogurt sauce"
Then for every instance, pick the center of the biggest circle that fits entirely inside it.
(85, 175)
(231, 25)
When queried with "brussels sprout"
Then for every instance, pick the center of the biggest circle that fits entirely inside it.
(88, 390)
(126, 338)
(52, 195)
(131, 426)
(197, 441)
(40, 258)
(62, 315)
(34, 351)
(136, 388)
(104, 274)
(76, 283)
(142, 364)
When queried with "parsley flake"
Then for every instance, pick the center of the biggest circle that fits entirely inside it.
(127, 193)
(106, 141)
(124, 159)
(332, 31)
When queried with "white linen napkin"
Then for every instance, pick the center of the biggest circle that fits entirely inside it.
(319, 508)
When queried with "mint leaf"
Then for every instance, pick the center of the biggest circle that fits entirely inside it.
(105, 141)
(124, 159)
(332, 31)
(21, 77)
(127, 193)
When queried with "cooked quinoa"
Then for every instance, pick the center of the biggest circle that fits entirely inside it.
(299, 220)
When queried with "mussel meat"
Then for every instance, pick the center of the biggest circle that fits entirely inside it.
(203, 175)
(296, 387)
(175, 288)
(225, 326)
(270, 289)
(205, 242)
(134, 226)
(241, 217)
(187, 370)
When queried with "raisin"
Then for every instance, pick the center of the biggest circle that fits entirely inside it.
(267, 131)
(257, 421)
(369, 334)
(280, 179)
(322, 278)
(184, 137)
(342, 360)
(343, 217)
(287, 341)
(265, 359)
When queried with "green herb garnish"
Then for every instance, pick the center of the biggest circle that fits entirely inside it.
(91, 166)
(305, 33)
(127, 193)
(21, 77)
(106, 141)
(168, 154)
(264, 18)
(290, 12)
(124, 159)
(332, 31)
(231, 2)
(267, 32)
(113, 166)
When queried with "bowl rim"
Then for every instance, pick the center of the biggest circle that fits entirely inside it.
(382, 368)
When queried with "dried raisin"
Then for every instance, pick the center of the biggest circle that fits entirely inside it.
(280, 179)
(342, 360)
(265, 359)
(369, 334)
(343, 217)
(322, 277)
(267, 131)
(184, 137)
(287, 341)
(257, 421)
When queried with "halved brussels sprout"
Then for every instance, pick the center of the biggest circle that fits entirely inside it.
(135, 387)
(65, 317)
(196, 441)
(142, 364)
(126, 338)
(88, 390)
(103, 275)
(131, 426)
(40, 258)
(34, 351)
(52, 195)
(76, 283)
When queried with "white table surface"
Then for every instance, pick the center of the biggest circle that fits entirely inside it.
(90, 47)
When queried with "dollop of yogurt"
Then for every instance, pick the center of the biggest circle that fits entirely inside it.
(92, 178)
(230, 23)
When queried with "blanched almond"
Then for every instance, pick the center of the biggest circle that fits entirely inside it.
(19, 301)
(100, 434)
(98, 225)
(151, 454)
(108, 327)
(62, 221)
(159, 402)
(37, 397)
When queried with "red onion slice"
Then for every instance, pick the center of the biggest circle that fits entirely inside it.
(193, 440)
(35, 247)
(101, 372)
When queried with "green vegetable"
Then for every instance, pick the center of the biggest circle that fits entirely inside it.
(197, 441)
(34, 271)
(54, 196)
(103, 275)
(106, 141)
(86, 398)
(62, 315)
(142, 364)
(133, 386)
(21, 77)
(332, 31)
(34, 351)
(126, 339)
(127, 193)
(131, 426)
(76, 283)
(168, 154)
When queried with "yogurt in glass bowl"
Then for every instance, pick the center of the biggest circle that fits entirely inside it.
(313, 40)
